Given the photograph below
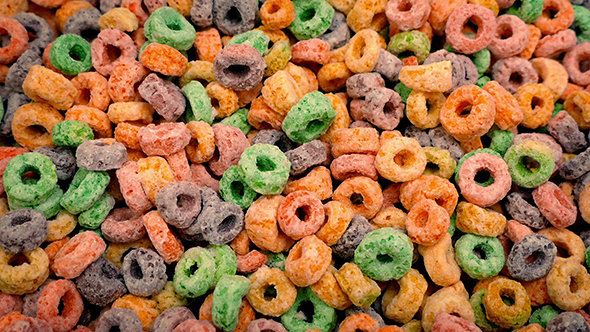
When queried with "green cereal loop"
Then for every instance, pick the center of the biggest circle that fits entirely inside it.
(543, 315)
(309, 118)
(479, 310)
(200, 108)
(50, 207)
(85, 189)
(195, 272)
(265, 168)
(275, 260)
(70, 134)
(501, 139)
(479, 268)
(167, 26)
(238, 119)
(97, 213)
(453, 225)
(233, 188)
(481, 59)
(277, 58)
(482, 81)
(528, 10)
(582, 23)
(403, 92)
(516, 157)
(384, 254)
(255, 38)
(412, 41)
(227, 300)
(226, 262)
(467, 155)
(312, 18)
(445, 165)
(324, 316)
(30, 193)
(66, 46)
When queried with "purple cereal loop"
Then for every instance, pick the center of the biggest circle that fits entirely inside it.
(165, 97)
(101, 59)
(384, 108)
(504, 69)
(122, 226)
(239, 67)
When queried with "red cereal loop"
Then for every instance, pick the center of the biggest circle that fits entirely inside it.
(56, 292)
(178, 162)
(230, 142)
(300, 214)
(407, 14)
(554, 205)
(131, 188)
(251, 262)
(164, 240)
(79, 252)
(163, 139)
(202, 178)
(123, 226)
(485, 20)
(310, 51)
(19, 40)
(104, 60)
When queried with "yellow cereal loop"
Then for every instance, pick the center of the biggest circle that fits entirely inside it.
(61, 225)
(46, 86)
(155, 174)
(435, 77)
(280, 92)
(119, 18)
(20, 278)
(143, 307)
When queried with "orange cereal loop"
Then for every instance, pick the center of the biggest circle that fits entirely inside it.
(338, 217)
(46, 86)
(179, 165)
(432, 187)
(329, 291)
(10, 318)
(569, 88)
(261, 116)
(440, 12)
(449, 302)
(361, 194)
(52, 249)
(402, 298)
(474, 144)
(420, 77)
(338, 54)
(401, 159)
(359, 322)
(553, 74)
(247, 96)
(301, 78)
(439, 261)
(155, 174)
(317, 181)
(224, 100)
(570, 246)
(355, 140)
(77, 254)
(28, 121)
(280, 92)
(307, 261)
(508, 112)
(134, 111)
(537, 291)
(531, 46)
(135, 155)
(163, 59)
(181, 6)
(577, 105)
(389, 217)
(367, 14)
(427, 222)
(136, 8)
(262, 226)
(241, 243)
(92, 90)
(477, 220)
(551, 24)
(97, 120)
(14, 7)
(126, 133)
(143, 307)
(536, 103)
(164, 240)
(469, 112)
(125, 79)
(208, 44)
(202, 144)
(277, 14)
(245, 316)
(67, 10)
(342, 120)
(333, 76)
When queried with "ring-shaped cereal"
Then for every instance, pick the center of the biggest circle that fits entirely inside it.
(484, 195)
(261, 224)
(481, 114)
(19, 40)
(71, 54)
(25, 122)
(97, 120)
(553, 74)
(60, 226)
(202, 145)
(123, 82)
(561, 20)
(518, 158)
(403, 297)
(104, 43)
(165, 241)
(483, 17)
(328, 290)
(518, 32)
(536, 103)
(26, 277)
(576, 105)
(439, 261)
(193, 283)
(446, 302)
(384, 254)
(568, 285)
(569, 243)
(26, 193)
(400, 159)
(92, 90)
(355, 140)
(359, 322)
(488, 265)
(362, 194)
(405, 18)
(507, 316)
(572, 62)
(123, 226)
(445, 164)
(427, 222)
(79, 252)
(265, 168)
(360, 289)
(410, 41)
(307, 261)
(295, 225)
(363, 53)
(555, 205)
(265, 278)
(431, 187)
(55, 293)
(277, 14)
(514, 72)
(323, 319)
(423, 108)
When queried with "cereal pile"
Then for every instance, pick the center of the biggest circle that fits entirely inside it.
(294, 165)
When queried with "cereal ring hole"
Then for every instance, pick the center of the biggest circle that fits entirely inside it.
(315, 125)
(302, 212)
(384, 259)
(308, 14)
(193, 268)
(19, 220)
(574, 284)
(233, 15)
(404, 6)
(185, 202)
(237, 188)
(273, 8)
(515, 78)
(535, 257)
(479, 252)
(270, 293)
(357, 199)
(135, 270)
(36, 131)
(113, 52)
(507, 296)
(265, 164)
(18, 260)
(530, 164)
(537, 104)
(483, 178)
(432, 167)
(237, 71)
(505, 31)
(227, 224)
(306, 311)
